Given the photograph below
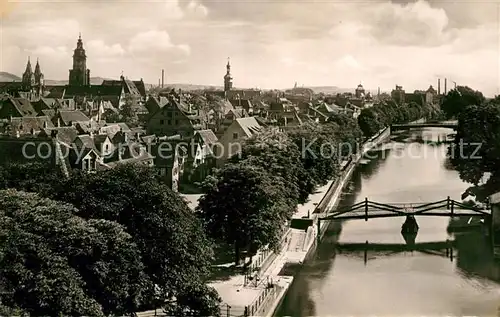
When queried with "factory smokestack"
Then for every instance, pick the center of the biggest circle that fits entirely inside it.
(162, 77)
(439, 86)
(445, 86)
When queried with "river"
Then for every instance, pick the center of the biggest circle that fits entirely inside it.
(331, 283)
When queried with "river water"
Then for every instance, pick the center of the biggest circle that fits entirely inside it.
(334, 283)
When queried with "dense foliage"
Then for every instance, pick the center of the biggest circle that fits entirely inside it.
(174, 251)
(53, 262)
(476, 150)
(373, 119)
(457, 100)
(276, 153)
(247, 207)
(248, 201)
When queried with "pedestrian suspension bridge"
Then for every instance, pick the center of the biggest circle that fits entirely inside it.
(370, 209)
(446, 125)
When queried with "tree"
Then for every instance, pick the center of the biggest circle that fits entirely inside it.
(174, 250)
(319, 151)
(247, 208)
(476, 150)
(460, 98)
(57, 263)
(275, 152)
(128, 112)
(369, 121)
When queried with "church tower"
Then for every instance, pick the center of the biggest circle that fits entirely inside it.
(79, 75)
(28, 80)
(39, 80)
(228, 79)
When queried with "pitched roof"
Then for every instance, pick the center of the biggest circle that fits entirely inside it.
(48, 112)
(154, 103)
(55, 91)
(64, 134)
(249, 125)
(100, 138)
(86, 141)
(141, 87)
(94, 90)
(208, 136)
(27, 125)
(70, 116)
(23, 106)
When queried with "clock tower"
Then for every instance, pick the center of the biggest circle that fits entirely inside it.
(79, 75)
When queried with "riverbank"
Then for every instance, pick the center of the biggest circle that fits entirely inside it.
(262, 293)
(330, 199)
(396, 281)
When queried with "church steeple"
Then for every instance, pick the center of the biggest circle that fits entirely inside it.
(28, 67)
(38, 74)
(228, 79)
(79, 75)
(28, 79)
(37, 68)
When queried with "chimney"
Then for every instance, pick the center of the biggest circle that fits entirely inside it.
(445, 86)
(159, 84)
(58, 122)
(439, 86)
(162, 77)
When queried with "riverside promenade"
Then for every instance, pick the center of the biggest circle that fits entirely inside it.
(261, 295)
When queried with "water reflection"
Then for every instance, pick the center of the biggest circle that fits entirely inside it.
(398, 282)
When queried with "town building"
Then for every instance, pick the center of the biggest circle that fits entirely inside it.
(230, 143)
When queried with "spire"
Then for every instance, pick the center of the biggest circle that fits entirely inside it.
(79, 35)
(228, 66)
(28, 67)
(37, 68)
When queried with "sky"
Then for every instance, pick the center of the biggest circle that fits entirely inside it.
(271, 44)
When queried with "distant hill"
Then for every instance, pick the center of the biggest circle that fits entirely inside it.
(93, 81)
(190, 87)
(333, 90)
(4, 76)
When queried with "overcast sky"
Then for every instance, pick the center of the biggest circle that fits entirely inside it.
(272, 44)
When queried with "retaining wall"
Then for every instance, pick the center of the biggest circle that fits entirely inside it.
(331, 200)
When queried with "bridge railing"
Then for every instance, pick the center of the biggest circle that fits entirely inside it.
(367, 207)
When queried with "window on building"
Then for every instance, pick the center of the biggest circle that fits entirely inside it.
(176, 122)
(169, 122)
(235, 135)
(161, 121)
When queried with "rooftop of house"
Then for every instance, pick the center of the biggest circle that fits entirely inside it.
(63, 134)
(249, 125)
(70, 116)
(26, 125)
(22, 105)
(208, 136)
(94, 90)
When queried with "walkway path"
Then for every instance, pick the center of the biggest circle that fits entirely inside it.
(234, 292)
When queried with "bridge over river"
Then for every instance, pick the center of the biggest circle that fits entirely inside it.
(369, 209)
(399, 279)
(445, 125)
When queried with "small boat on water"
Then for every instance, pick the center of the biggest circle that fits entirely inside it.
(410, 226)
